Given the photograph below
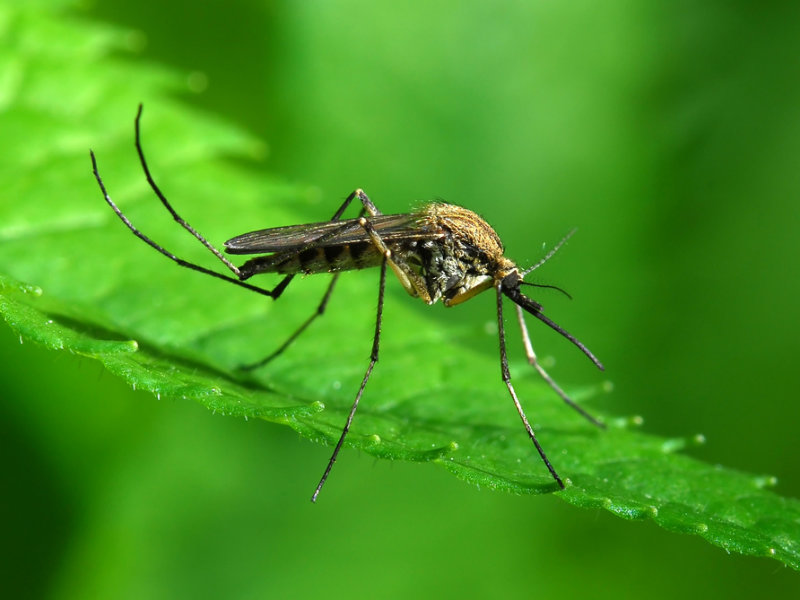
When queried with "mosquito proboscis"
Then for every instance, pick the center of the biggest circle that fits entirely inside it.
(439, 252)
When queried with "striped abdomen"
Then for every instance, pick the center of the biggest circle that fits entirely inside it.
(322, 259)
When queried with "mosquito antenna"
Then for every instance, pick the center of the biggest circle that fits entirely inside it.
(535, 309)
(547, 286)
(550, 254)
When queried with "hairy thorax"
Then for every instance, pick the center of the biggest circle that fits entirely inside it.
(461, 259)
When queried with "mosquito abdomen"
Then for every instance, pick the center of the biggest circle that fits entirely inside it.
(322, 259)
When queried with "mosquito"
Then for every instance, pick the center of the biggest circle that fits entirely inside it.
(439, 252)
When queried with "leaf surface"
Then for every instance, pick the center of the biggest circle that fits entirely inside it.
(77, 280)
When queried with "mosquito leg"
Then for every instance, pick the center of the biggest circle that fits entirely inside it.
(195, 267)
(320, 310)
(238, 280)
(507, 380)
(366, 203)
(526, 340)
(373, 359)
(403, 273)
(367, 207)
(166, 203)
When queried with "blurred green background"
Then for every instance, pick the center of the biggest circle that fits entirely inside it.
(668, 133)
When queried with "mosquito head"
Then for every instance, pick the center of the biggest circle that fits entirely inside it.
(511, 286)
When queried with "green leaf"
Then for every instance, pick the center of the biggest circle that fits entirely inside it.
(92, 288)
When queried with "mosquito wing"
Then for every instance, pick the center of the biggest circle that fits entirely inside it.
(291, 238)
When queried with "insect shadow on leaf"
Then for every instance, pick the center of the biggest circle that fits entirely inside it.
(438, 252)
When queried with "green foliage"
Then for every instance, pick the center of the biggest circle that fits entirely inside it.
(454, 421)
(436, 395)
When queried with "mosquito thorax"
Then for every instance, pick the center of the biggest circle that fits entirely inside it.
(461, 260)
